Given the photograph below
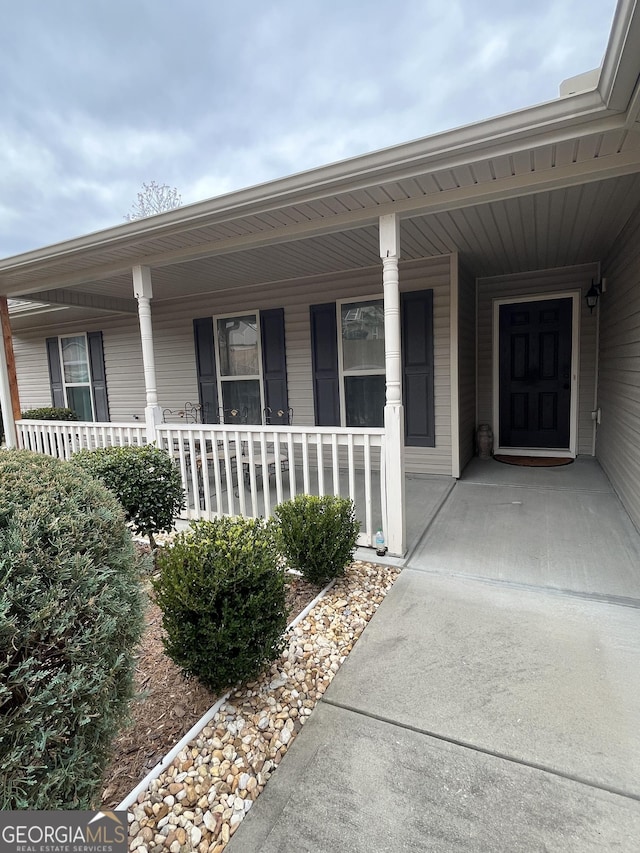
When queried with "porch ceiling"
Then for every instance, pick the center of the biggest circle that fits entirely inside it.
(573, 225)
(545, 203)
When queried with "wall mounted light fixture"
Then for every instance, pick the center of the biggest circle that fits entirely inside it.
(593, 294)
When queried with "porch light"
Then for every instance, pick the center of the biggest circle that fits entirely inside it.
(593, 294)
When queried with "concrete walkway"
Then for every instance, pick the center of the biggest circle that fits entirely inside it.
(493, 702)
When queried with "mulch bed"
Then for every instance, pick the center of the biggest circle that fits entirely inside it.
(168, 703)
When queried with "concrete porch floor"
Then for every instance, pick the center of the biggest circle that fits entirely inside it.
(562, 528)
(492, 703)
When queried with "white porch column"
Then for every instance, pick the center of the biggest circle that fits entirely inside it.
(10, 435)
(393, 410)
(143, 292)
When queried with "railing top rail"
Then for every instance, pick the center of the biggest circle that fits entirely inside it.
(77, 424)
(260, 428)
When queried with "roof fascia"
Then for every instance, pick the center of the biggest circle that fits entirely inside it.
(621, 63)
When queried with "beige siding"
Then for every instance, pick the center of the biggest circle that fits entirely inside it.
(31, 370)
(533, 284)
(122, 357)
(175, 357)
(173, 340)
(618, 437)
(466, 364)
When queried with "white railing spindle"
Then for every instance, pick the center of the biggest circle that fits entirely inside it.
(227, 471)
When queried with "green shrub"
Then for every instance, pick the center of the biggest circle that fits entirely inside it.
(222, 594)
(70, 617)
(50, 413)
(145, 481)
(317, 535)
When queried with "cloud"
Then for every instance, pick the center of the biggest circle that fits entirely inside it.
(99, 97)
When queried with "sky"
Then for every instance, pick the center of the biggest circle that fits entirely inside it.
(98, 97)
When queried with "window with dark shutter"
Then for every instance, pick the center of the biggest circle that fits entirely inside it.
(362, 368)
(206, 369)
(77, 375)
(274, 365)
(324, 354)
(241, 370)
(417, 364)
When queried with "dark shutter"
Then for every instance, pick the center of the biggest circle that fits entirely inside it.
(274, 364)
(98, 377)
(324, 353)
(55, 373)
(206, 369)
(417, 364)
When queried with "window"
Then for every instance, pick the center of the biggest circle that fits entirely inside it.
(77, 375)
(74, 356)
(348, 363)
(239, 365)
(362, 365)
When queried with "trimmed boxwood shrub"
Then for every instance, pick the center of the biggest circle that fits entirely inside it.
(317, 535)
(145, 481)
(222, 594)
(50, 413)
(70, 618)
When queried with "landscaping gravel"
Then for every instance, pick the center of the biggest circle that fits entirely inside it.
(200, 800)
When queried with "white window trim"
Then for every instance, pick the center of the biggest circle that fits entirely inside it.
(341, 371)
(66, 384)
(219, 377)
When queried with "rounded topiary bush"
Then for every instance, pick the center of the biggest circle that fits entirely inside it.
(222, 594)
(317, 535)
(70, 618)
(145, 481)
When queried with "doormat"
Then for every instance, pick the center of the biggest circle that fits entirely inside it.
(534, 461)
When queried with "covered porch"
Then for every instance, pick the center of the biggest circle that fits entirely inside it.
(445, 242)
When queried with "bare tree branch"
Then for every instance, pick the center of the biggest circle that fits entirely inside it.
(154, 198)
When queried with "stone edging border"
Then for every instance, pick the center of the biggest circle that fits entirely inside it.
(199, 799)
(195, 730)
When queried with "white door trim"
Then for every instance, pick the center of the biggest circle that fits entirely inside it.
(575, 296)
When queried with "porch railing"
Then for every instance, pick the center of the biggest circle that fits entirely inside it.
(64, 438)
(246, 471)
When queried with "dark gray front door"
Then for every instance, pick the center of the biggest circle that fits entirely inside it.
(535, 374)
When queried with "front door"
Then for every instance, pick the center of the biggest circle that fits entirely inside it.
(535, 374)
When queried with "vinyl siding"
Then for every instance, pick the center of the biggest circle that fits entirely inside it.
(175, 357)
(31, 370)
(122, 359)
(175, 360)
(618, 436)
(466, 364)
(532, 284)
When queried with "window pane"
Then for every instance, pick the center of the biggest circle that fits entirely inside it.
(364, 400)
(79, 399)
(74, 359)
(240, 394)
(238, 346)
(363, 336)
